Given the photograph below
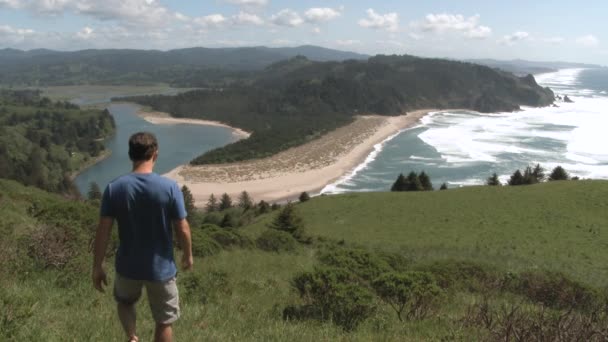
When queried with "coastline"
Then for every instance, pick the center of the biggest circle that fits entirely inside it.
(161, 118)
(306, 168)
(104, 155)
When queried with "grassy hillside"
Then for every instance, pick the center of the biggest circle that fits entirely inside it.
(240, 293)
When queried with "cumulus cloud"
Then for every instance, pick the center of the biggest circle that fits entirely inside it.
(444, 22)
(348, 42)
(10, 3)
(244, 18)
(287, 17)
(9, 34)
(388, 21)
(248, 2)
(211, 21)
(85, 34)
(588, 40)
(511, 39)
(317, 14)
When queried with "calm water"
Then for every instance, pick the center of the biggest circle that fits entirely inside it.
(464, 148)
(178, 145)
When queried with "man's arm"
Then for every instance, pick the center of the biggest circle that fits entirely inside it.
(182, 228)
(102, 238)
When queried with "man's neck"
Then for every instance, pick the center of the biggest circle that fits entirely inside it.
(143, 167)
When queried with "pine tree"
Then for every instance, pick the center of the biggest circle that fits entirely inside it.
(228, 221)
(263, 207)
(517, 178)
(225, 202)
(245, 201)
(288, 220)
(275, 206)
(304, 197)
(212, 204)
(529, 177)
(444, 186)
(425, 181)
(400, 184)
(559, 174)
(188, 200)
(413, 182)
(94, 191)
(493, 180)
(539, 173)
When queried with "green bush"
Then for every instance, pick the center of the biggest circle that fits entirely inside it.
(201, 288)
(463, 275)
(414, 293)
(229, 238)
(360, 262)
(273, 240)
(203, 245)
(332, 294)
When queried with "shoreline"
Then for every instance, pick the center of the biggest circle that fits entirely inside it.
(104, 155)
(161, 118)
(306, 168)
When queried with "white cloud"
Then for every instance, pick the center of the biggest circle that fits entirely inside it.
(9, 34)
(444, 22)
(316, 30)
(415, 36)
(244, 18)
(211, 21)
(388, 21)
(248, 2)
(511, 39)
(282, 42)
(85, 34)
(588, 40)
(348, 42)
(10, 3)
(317, 15)
(287, 17)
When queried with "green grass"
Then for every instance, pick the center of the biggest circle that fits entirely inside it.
(242, 292)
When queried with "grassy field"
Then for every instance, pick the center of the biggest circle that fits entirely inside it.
(240, 294)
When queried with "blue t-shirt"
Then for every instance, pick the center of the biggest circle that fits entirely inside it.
(144, 205)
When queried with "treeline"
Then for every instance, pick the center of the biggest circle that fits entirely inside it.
(292, 102)
(532, 175)
(42, 142)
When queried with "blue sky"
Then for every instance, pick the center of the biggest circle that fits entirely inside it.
(535, 30)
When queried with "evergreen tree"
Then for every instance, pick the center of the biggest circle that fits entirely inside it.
(275, 206)
(539, 173)
(425, 181)
(400, 184)
(212, 204)
(559, 174)
(225, 202)
(517, 178)
(444, 186)
(245, 201)
(413, 182)
(304, 197)
(228, 221)
(493, 180)
(188, 200)
(288, 220)
(263, 207)
(529, 177)
(94, 192)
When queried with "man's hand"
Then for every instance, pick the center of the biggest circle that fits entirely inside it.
(99, 279)
(187, 261)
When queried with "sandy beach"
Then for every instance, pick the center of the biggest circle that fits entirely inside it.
(160, 118)
(309, 167)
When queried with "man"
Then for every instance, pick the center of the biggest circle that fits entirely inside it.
(145, 205)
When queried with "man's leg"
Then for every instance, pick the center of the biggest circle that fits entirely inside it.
(127, 293)
(163, 333)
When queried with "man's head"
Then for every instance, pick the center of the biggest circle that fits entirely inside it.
(142, 147)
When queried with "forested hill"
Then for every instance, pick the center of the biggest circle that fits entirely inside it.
(294, 101)
(184, 67)
(43, 142)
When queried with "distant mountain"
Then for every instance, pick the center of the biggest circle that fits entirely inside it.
(522, 67)
(48, 67)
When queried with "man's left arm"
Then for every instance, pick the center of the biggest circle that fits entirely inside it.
(102, 238)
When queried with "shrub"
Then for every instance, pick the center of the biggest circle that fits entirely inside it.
(200, 288)
(214, 218)
(414, 293)
(360, 262)
(559, 174)
(463, 275)
(304, 197)
(203, 245)
(273, 240)
(288, 220)
(228, 238)
(332, 294)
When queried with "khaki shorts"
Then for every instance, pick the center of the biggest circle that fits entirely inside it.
(162, 296)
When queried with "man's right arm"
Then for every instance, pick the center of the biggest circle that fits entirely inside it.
(182, 228)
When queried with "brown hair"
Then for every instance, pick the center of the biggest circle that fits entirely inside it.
(142, 146)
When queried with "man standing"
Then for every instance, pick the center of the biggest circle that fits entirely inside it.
(145, 205)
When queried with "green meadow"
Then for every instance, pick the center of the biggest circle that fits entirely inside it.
(240, 292)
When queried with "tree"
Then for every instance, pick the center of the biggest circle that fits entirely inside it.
(529, 177)
(539, 173)
(228, 221)
(304, 197)
(94, 192)
(493, 180)
(413, 182)
(400, 184)
(212, 204)
(425, 181)
(245, 201)
(289, 220)
(263, 207)
(188, 200)
(559, 174)
(225, 202)
(444, 186)
(516, 178)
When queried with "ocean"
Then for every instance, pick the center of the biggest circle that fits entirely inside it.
(464, 148)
